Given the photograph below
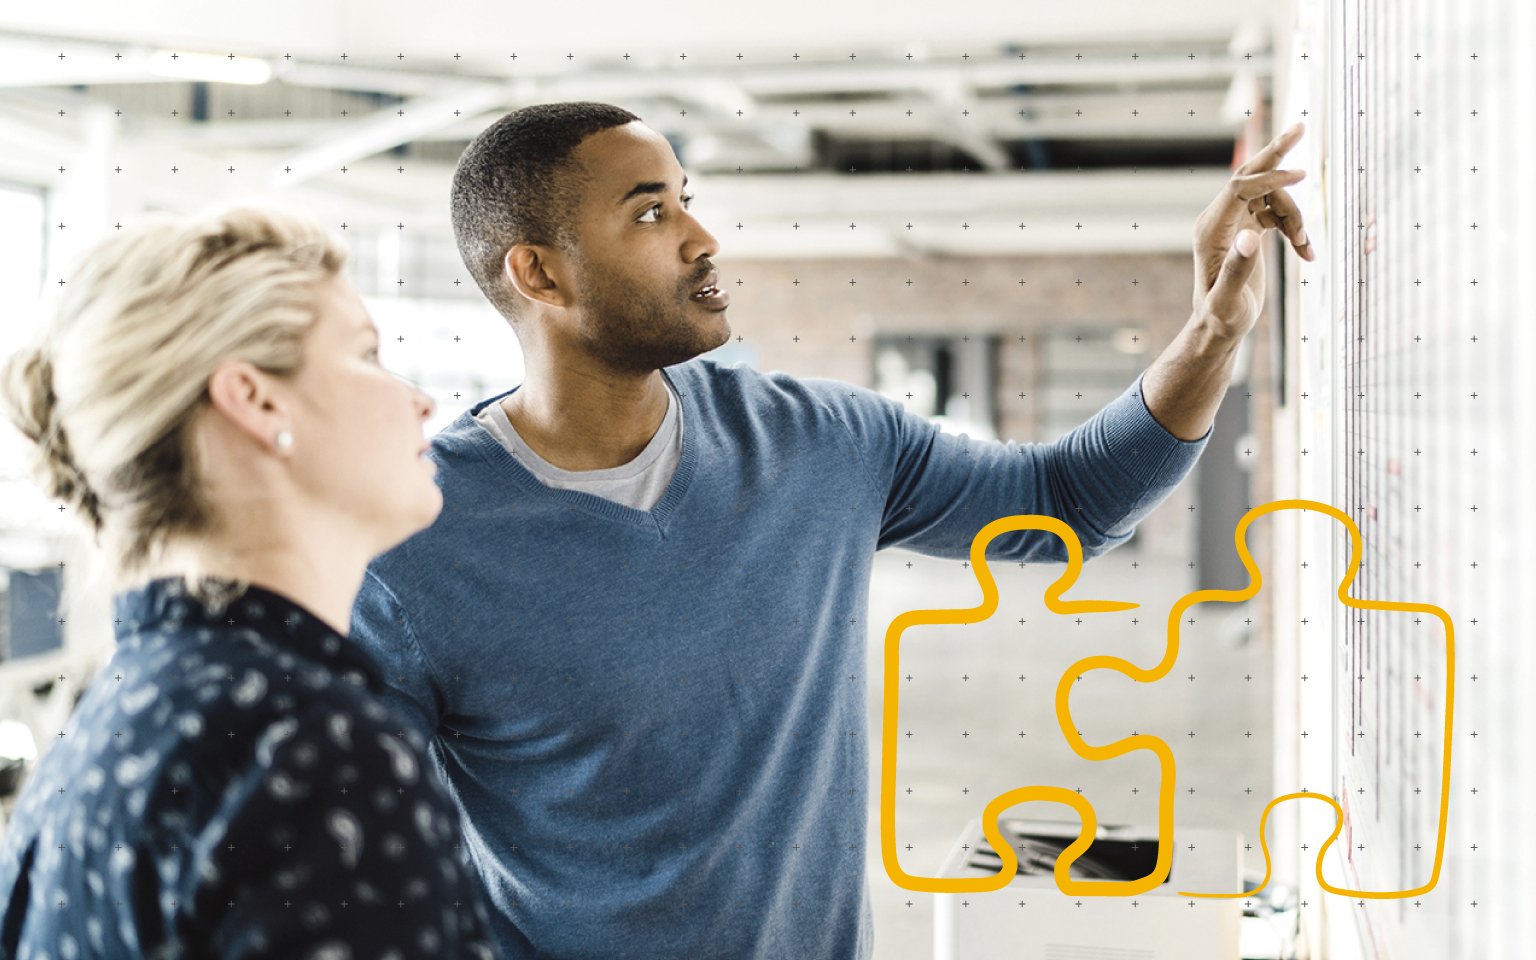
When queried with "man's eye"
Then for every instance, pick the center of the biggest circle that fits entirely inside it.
(657, 206)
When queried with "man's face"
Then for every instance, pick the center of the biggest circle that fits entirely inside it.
(641, 256)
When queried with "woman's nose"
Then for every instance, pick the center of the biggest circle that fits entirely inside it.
(427, 404)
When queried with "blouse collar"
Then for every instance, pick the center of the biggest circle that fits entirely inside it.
(167, 604)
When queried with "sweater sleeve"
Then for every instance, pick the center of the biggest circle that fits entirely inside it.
(939, 489)
(382, 628)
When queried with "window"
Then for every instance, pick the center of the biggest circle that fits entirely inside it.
(1081, 371)
(949, 379)
(23, 252)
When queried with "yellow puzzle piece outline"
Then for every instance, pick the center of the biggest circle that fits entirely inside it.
(1256, 580)
(1087, 817)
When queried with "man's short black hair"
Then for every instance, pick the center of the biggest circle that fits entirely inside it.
(517, 183)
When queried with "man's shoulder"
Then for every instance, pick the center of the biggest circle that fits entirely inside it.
(742, 385)
(464, 440)
(705, 376)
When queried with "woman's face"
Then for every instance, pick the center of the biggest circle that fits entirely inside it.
(359, 447)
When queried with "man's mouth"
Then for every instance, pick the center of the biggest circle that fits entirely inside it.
(712, 296)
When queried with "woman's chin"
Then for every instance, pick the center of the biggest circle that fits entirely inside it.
(416, 516)
(433, 507)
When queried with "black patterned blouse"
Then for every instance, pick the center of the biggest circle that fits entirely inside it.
(231, 786)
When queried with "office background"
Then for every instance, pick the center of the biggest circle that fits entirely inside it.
(986, 213)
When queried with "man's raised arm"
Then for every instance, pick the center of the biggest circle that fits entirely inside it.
(1184, 386)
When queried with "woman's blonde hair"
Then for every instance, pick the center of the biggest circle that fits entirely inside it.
(109, 390)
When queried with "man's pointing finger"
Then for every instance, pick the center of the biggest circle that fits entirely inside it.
(1267, 158)
(1246, 187)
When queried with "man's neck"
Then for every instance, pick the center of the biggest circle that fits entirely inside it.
(579, 420)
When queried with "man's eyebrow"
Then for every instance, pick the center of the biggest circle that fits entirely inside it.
(649, 186)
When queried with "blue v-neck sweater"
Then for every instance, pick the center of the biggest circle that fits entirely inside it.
(645, 717)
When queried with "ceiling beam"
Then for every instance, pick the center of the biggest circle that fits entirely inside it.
(386, 129)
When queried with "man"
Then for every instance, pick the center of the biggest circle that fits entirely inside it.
(631, 629)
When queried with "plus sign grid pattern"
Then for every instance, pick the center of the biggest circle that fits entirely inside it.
(1409, 376)
(1409, 357)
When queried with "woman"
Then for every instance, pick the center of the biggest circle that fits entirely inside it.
(208, 397)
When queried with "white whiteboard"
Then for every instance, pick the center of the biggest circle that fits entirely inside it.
(1416, 354)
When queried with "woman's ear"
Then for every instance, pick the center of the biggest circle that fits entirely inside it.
(242, 395)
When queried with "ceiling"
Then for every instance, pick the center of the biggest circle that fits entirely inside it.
(795, 113)
(485, 33)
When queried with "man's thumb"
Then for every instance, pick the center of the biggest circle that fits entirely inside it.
(1228, 288)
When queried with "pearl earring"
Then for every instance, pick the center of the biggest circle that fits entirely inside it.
(283, 441)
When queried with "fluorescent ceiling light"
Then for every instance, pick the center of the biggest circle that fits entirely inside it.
(210, 67)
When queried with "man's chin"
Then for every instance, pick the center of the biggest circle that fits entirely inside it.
(725, 332)
(708, 340)
(703, 339)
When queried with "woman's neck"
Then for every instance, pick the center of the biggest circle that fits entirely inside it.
(325, 585)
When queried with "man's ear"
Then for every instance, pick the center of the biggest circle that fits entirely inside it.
(532, 270)
(243, 396)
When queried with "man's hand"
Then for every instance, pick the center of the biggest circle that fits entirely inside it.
(1229, 280)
